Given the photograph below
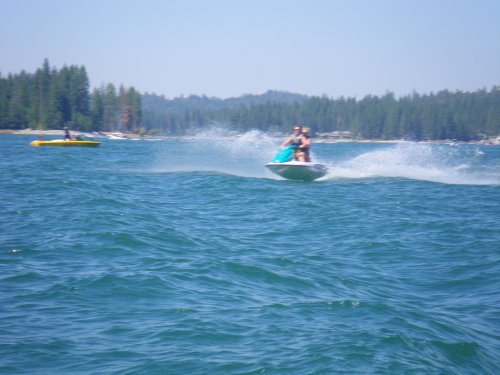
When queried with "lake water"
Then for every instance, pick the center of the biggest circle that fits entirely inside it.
(189, 257)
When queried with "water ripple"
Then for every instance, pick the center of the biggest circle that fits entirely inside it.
(139, 258)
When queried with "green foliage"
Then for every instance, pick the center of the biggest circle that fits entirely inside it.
(130, 110)
(52, 98)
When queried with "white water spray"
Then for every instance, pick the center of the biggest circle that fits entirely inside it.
(223, 151)
(436, 163)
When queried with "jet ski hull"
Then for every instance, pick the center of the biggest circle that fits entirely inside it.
(300, 171)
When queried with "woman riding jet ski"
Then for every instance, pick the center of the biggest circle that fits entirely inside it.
(300, 141)
(293, 161)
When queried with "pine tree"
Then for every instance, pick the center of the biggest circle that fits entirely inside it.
(43, 78)
(110, 108)
(97, 109)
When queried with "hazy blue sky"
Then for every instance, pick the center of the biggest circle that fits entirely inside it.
(228, 48)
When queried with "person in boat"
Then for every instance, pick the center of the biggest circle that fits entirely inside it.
(67, 135)
(297, 142)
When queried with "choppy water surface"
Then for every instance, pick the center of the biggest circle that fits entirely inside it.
(189, 257)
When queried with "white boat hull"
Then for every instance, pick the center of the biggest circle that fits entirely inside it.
(300, 171)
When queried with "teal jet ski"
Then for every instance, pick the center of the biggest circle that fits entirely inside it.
(284, 166)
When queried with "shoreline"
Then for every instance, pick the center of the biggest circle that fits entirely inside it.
(488, 142)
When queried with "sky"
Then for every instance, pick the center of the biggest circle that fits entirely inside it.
(229, 48)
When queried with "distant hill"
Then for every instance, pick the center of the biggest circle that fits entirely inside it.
(160, 105)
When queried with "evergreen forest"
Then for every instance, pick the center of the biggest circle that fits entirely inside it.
(52, 98)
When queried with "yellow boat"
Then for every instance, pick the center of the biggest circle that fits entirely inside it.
(66, 143)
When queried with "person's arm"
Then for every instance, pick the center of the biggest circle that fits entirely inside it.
(286, 143)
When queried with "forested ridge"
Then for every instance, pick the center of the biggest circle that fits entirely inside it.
(53, 98)
(444, 115)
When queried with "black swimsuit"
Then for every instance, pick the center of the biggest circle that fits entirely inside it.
(305, 150)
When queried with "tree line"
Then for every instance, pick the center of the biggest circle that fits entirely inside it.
(53, 98)
(444, 115)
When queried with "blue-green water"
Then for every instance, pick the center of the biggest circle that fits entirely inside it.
(189, 257)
